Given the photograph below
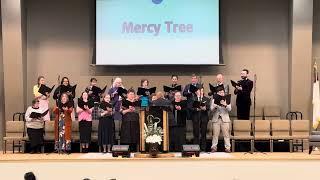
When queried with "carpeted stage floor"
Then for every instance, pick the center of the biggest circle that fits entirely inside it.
(222, 166)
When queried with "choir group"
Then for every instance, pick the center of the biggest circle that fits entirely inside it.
(119, 103)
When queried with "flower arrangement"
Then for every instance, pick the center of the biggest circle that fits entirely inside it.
(153, 133)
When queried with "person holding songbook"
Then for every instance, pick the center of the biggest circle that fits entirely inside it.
(106, 124)
(35, 123)
(130, 129)
(243, 90)
(219, 82)
(145, 93)
(62, 124)
(220, 107)
(174, 87)
(200, 118)
(65, 87)
(189, 92)
(43, 95)
(84, 110)
(177, 130)
(95, 93)
(117, 92)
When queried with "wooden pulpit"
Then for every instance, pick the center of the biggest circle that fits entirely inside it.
(165, 126)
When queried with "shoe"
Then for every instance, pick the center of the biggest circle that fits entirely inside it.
(227, 150)
(214, 149)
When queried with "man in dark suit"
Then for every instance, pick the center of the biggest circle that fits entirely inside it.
(243, 92)
(200, 118)
(189, 94)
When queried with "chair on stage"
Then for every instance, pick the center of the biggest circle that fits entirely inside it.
(280, 130)
(314, 140)
(300, 131)
(262, 131)
(271, 112)
(242, 133)
(15, 132)
(117, 129)
(48, 132)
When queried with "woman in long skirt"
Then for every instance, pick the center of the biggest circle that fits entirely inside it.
(130, 128)
(106, 125)
(62, 124)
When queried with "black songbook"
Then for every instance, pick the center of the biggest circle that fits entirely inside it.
(198, 104)
(71, 89)
(170, 89)
(81, 104)
(97, 91)
(104, 105)
(182, 104)
(193, 88)
(218, 98)
(126, 103)
(68, 104)
(215, 89)
(122, 91)
(45, 89)
(234, 84)
(145, 91)
(35, 115)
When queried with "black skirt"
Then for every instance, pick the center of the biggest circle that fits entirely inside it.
(106, 130)
(35, 137)
(85, 129)
(130, 130)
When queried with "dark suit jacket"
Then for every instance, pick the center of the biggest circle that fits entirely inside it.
(243, 96)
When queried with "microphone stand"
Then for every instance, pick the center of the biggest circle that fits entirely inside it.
(254, 115)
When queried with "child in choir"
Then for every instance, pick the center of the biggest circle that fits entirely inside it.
(35, 126)
(84, 110)
(106, 124)
(130, 129)
(62, 124)
(43, 100)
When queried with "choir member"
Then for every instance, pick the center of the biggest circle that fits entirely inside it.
(130, 129)
(187, 92)
(221, 121)
(200, 118)
(220, 82)
(116, 98)
(170, 95)
(35, 125)
(43, 100)
(178, 123)
(94, 93)
(59, 90)
(62, 124)
(145, 99)
(106, 124)
(243, 92)
(84, 110)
